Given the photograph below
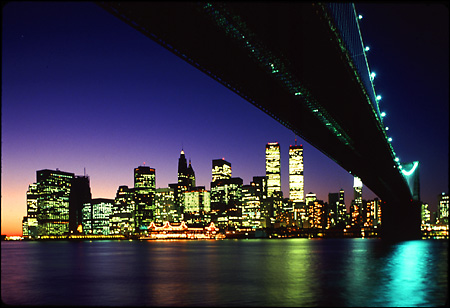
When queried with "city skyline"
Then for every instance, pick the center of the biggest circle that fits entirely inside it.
(81, 89)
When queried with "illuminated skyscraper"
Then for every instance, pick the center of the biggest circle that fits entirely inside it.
(123, 212)
(197, 200)
(144, 192)
(342, 210)
(96, 216)
(221, 169)
(165, 206)
(443, 209)
(30, 223)
(186, 180)
(144, 179)
(253, 207)
(357, 203)
(53, 191)
(226, 200)
(333, 208)
(182, 170)
(273, 168)
(425, 214)
(296, 179)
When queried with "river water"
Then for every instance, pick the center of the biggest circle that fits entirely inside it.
(255, 272)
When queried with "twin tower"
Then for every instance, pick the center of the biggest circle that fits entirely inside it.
(273, 171)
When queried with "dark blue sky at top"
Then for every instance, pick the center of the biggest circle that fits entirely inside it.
(81, 89)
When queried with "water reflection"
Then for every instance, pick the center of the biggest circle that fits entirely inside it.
(410, 271)
(289, 272)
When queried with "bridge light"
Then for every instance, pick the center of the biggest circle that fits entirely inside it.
(387, 127)
(360, 17)
(378, 97)
(367, 48)
(389, 139)
(372, 75)
(397, 159)
(383, 114)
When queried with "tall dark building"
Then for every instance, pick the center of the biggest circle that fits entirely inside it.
(182, 168)
(190, 175)
(80, 194)
(226, 194)
(333, 208)
(186, 180)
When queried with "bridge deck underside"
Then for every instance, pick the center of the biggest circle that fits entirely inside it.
(298, 35)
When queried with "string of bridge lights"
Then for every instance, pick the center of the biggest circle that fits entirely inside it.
(383, 113)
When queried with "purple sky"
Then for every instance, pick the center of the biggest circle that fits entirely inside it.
(81, 89)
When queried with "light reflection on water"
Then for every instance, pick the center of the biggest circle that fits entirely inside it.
(287, 272)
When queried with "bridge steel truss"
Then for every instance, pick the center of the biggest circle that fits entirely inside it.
(292, 60)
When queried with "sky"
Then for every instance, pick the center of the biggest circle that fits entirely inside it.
(82, 90)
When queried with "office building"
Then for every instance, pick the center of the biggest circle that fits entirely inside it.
(425, 214)
(197, 200)
(342, 210)
(53, 190)
(96, 216)
(144, 192)
(273, 169)
(226, 198)
(165, 209)
(221, 169)
(443, 209)
(186, 180)
(54, 203)
(186, 174)
(80, 194)
(29, 222)
(122, 219)
(296, 179)
(254, 209)
(357, 203)
(317, 214)
(333, 208)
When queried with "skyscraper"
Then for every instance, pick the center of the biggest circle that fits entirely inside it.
(342, 210)
(190, 175)
(96, 216)
(296, 179)
(53, 191)
(273, 168)
(79, 195)
(122, 220)
(144, 192)
(182, 170)
(357, 203)
(186, 180)
(254, 210)
(443, 209)
(30, 223)
(165, 206)
(221, 169)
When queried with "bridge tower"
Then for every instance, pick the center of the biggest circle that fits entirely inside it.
(401, 219)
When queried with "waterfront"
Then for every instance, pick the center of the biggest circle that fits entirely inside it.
(256, 272)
